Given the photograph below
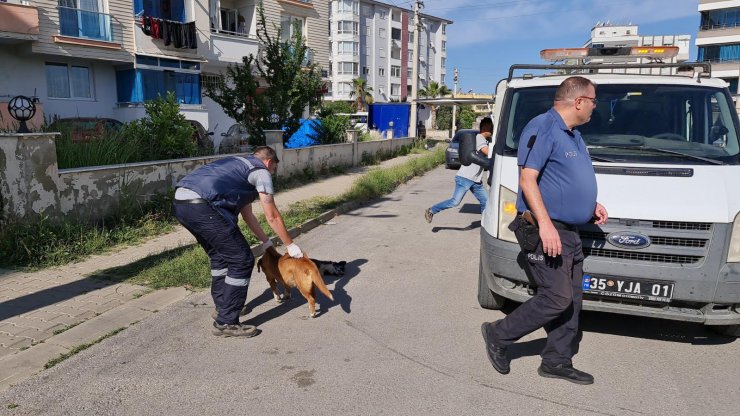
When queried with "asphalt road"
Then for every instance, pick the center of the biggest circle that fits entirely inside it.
(402, 338)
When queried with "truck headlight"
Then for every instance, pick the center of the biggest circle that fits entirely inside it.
(733, 253)
(506, 213)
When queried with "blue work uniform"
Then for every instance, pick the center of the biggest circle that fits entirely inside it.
(207, 203)
(567, 183)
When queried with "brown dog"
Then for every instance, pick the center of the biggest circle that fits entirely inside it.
(299, 273)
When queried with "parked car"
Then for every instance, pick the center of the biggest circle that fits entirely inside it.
(201, 136)
(82, 129)
(235, 140)
(452, 156)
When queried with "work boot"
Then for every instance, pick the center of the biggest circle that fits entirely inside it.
(496, 354)
(245, 310)
(566, 372)
(428, 215)
(235, 330)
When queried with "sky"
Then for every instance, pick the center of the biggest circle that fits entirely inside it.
(488, 36)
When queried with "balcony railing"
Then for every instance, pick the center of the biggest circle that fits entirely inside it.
(85, 24)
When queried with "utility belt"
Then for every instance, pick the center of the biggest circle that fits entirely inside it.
(190, 201)
(527, 231)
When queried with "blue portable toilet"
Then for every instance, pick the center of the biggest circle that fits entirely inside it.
(380, 116)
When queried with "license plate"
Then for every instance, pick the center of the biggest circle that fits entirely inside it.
(619, 287)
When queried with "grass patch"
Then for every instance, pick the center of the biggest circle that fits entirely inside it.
(77, 349)
(66, 328)
(189, 266)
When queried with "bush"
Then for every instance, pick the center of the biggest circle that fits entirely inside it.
(164, 133)
(334, 107)
(332, 129)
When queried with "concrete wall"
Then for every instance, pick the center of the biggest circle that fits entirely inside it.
(32, 185)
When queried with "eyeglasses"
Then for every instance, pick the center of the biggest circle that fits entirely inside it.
(593, 99)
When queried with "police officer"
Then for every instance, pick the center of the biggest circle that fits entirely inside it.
(557, 185)
(207, 203)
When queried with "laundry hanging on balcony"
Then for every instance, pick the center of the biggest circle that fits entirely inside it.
(178, 34)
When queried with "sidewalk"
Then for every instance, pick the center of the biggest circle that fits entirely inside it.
(49, 312)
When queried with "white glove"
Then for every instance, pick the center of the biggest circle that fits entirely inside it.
(295, 251)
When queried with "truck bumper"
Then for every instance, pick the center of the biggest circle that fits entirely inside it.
(502, 269)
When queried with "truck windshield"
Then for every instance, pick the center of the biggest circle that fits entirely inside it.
(674, 124)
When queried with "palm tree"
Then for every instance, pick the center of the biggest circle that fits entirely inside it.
(362, 93)
(434, 90)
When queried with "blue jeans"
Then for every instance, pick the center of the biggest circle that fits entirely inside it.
(463, 185)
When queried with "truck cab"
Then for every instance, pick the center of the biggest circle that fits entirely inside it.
(666, 153)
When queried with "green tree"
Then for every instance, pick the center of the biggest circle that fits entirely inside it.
(434, 90)
(362, 93)
(292, 81)
(466, 117)
(334, 107)
(444, 118)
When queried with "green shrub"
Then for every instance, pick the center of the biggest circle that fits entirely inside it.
(109, 149)
(331, 129)
(334, 107)
(164, 133)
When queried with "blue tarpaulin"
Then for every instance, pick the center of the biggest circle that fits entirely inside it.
(302, 136)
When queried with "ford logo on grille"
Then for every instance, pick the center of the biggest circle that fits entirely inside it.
(628, 240)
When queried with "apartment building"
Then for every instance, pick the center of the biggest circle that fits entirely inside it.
(105, 58)
(375, 41)
(605, 35)
(718, 39)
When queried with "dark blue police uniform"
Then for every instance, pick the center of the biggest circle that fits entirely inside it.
(224, 189)
(568, 186)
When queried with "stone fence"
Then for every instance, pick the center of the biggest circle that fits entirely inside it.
(32, 185)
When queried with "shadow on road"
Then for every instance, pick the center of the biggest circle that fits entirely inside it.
(473, 225)
(341, 297)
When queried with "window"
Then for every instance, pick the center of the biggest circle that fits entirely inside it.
(291, 25)
(720, 53)
(396, 15)
(348, 48)
(444, 29)
(411, 37)
(395, 89)
(381, 52)
(382, 14)
(347, 68)
(348, 6)
(68, 81)
(344, 88)
(155, 77)
(395, 33)
(365, 71)
(83, 19)
(411, 55)
(396, 53)
(381, 33)
(395, 71)
(381, 72)
(444, 62)
(409, 72)
(163, 9)
(347, 27)
(442, 79)
(444, 45)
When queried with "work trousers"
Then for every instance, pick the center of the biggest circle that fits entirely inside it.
(230, 256)
(555, 305)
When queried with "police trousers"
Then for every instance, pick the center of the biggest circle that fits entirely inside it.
(555, 305)
(230, 256)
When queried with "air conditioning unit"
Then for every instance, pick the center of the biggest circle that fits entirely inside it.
(422, 59)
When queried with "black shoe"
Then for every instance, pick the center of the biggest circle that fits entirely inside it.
(566, 372)
(496, 355)
(234, 330)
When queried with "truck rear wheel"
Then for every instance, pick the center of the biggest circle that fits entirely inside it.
(729, 330)
(486, 298)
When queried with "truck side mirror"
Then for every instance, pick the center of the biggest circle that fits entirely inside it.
(468, 153)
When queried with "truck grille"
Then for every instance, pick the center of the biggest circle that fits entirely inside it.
(672, 242)
(632, 255)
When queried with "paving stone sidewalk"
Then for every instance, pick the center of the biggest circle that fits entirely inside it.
(46, 313)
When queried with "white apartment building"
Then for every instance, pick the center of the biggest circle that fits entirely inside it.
(375, 41)
(606, 35)
(718, 39)
(104, 58)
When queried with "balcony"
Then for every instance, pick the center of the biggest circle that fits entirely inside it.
(85, 24)
(18, 22)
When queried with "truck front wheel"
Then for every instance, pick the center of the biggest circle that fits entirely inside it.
(486, 298)
(729, 330)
